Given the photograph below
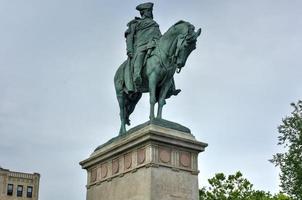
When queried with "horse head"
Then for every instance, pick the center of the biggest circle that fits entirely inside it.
(186, 43)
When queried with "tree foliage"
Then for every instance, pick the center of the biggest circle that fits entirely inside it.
(234, 187)
(290, 162)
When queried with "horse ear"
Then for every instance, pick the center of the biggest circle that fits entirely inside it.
(198, 32)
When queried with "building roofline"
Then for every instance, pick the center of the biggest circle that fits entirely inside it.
(22, 174)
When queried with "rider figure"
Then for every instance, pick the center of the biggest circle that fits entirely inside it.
(141, 37)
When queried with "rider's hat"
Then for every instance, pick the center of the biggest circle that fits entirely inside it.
(144, 6)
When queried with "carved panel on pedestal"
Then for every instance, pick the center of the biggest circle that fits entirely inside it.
(185, 159)
(127, 161)
(165, 155)
(141, 155)
(99, 172)
(115, 166)
(104, 170)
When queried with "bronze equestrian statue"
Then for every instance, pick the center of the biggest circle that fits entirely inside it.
(152, 62)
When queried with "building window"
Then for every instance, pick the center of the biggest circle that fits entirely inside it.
(19, 190)
(10, 189)
(29, 192)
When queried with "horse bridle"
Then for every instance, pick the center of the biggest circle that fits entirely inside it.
(180, 42)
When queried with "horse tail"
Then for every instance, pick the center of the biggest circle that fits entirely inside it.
(131, 101)
(119, 81)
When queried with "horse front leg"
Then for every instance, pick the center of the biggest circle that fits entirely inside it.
(162, 98)
(152, 91)
(121, 102)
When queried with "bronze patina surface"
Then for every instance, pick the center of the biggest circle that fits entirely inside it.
(152, 61)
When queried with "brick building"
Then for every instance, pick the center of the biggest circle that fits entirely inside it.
(18, 185)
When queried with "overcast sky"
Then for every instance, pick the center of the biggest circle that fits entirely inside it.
(57, 99)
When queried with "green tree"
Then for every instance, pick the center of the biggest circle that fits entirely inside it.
(224, 188)
(234, 187)
(290, 162)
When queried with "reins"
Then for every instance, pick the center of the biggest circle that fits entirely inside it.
(171, 58)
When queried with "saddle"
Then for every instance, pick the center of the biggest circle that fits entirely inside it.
(128, 74)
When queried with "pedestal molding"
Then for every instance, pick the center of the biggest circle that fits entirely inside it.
(152, 163)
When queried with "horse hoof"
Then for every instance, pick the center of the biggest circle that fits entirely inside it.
(176, 92)
(122, 131)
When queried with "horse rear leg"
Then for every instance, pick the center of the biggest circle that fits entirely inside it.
(132, 100)
(121, 102)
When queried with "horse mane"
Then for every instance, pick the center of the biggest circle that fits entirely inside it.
(189, 28)
(181, 22)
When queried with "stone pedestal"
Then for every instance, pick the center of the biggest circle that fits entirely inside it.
(152, 162)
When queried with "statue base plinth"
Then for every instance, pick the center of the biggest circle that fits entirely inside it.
(151, 163)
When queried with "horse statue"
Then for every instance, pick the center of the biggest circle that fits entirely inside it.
(168, 57)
